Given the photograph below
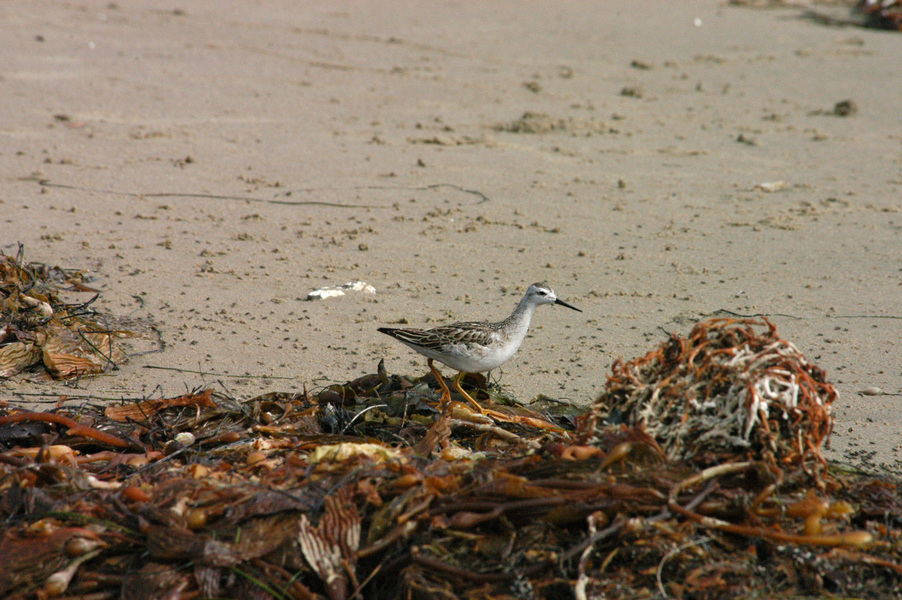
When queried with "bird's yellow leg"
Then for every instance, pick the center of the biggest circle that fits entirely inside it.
(446, 393)
(461, 391)
(537, 422)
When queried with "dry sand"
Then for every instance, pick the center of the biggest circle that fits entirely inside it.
(210, 163)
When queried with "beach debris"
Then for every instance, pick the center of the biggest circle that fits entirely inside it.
(875, 14)
(540, 123)
(732, 387)
(771, 186)
(38, 327)
(845, 108)
(632, 91)
(363, 489)
(332, 292)
(533, 122)
(881, 14)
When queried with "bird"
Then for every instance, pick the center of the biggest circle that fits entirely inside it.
(475, 346)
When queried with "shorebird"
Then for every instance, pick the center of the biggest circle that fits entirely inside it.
(475, 346)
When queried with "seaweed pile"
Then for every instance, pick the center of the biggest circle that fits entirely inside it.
(366, 490)
(725, 388)
(38, 328)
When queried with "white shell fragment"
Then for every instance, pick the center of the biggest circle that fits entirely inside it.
(185, 438)
(771, 186)
(330, 292)
(45, 309)
(871, 391)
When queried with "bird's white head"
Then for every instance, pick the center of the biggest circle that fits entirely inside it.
(540, 293)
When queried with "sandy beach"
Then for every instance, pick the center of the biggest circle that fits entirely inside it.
(210, 164)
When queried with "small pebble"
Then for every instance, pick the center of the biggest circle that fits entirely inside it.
(845, 108)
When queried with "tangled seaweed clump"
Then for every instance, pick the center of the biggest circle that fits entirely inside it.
(366, 490)
(38, 328)
(727, 388)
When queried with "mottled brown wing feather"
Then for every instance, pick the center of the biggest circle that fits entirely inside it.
(438, 338)
(411, 336)
(466, 333)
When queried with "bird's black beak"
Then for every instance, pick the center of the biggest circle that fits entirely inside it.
(562, 303)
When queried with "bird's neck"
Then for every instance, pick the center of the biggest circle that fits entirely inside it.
(520, 318)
